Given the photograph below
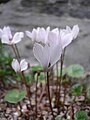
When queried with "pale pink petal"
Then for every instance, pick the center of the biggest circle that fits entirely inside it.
(56, 31)
(5, 39)
(17, 37)
(23, 65)
(34, 34)
(41, 35)
(48, 29)
(29, 34)
(75, 31)
(15, 65)
(55, 54)
(68, 29)
(42, 54)
(1, 33)
(7, 31)
(52, 39)
(66, 40)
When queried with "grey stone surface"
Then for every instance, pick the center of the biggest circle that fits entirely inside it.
(4, 1)
(74, 8)
(20, 19)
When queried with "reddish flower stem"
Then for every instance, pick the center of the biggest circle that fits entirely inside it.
(49, 95)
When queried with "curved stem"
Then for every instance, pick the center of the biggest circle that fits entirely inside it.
(61, 68)
(49, 95)
(36, 94)
(25, 83)
(17, 52)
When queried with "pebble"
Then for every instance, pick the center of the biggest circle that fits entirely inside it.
(24, 108)
(17, 113)
(8, 110)
(18, 107)
(80, 98)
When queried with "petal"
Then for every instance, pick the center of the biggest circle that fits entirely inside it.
(41, 35)
(75, 31)
(66, 40)
(29, 34)
(48, 29)
(1, 33)
(68, 29)
(5, 39)
(52, 39)
(7, 31)
(16, 65)
(34, 34)
(42, 54)
(56, 30)
(55, 54)
(23, 65)
(17, 37)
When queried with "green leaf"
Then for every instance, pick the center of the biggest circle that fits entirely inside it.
(59, 71)
(59, 118)
(88, 94)
(76, 89)
(14, 96)
(37, 68)
(80, 115)
(41, 78)
(29, 78)
(75, 70)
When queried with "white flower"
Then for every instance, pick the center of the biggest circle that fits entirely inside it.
(19, 67)
(59, 37)
(39, 34)
(47, 55)
(7, 38)
(63, 36)
(74, 31)
(65, 39)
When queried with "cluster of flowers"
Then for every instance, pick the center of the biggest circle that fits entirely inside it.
(48, 44)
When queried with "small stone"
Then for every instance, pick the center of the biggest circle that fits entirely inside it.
(33, 102)
(80, 98)
(17, 113)
(8, 110)
(24, 108)
(27, 101)
(68, 117)
(18, 107)
(44, 112)
(6, 115)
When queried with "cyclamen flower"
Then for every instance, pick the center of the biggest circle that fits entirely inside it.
(63, 36)
(47, 55)
(7, 38)
(58, 38)
(74, 31)
(39, 35)
(19, 67)
(50, 43)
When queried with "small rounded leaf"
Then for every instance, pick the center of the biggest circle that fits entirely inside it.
(88, 94)
(14, 96)
(80, 115)
(59, 118)
(37, 68)
(76, 89)
(75, 70)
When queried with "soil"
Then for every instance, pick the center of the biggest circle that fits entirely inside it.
(26, 109)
